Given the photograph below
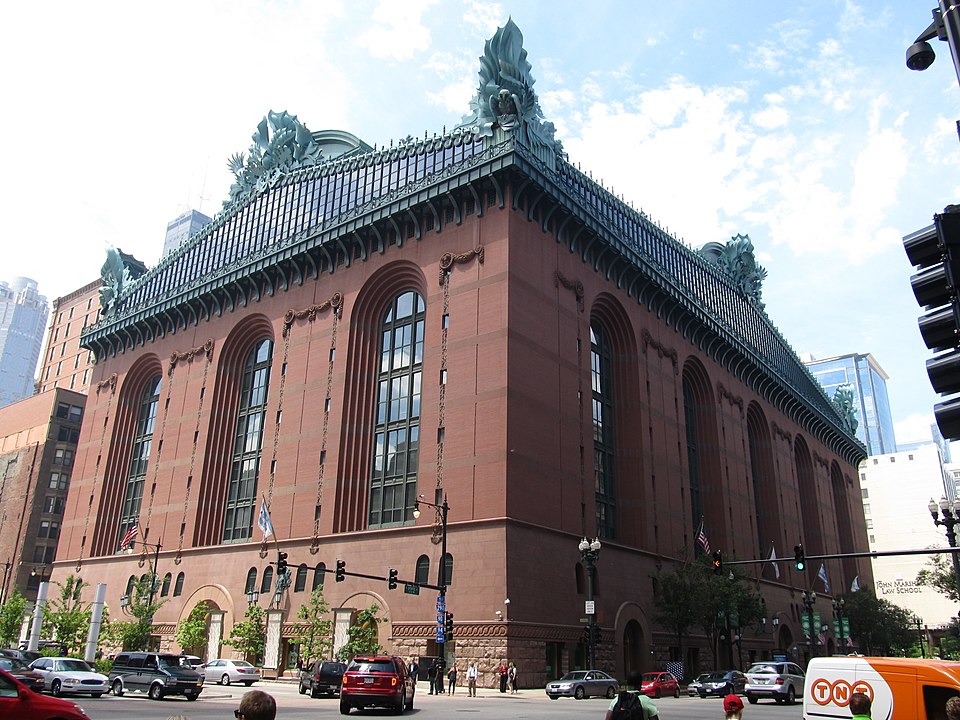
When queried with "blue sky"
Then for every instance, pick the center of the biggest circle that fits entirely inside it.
(796, 123)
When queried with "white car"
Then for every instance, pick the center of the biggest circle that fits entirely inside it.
(781, 681)
(68, 675)
(225, 671)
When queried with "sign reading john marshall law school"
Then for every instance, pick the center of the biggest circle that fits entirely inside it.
(898, 587)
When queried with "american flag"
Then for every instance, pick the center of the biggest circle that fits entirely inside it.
(128, 536)
(702, 539)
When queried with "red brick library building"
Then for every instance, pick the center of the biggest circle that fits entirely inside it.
(466, 317)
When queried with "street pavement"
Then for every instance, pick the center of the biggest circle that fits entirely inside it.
(219, 702)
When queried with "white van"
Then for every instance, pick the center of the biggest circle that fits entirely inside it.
(900, 688)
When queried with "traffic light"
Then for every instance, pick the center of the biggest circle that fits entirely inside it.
(281, 563)
(341, 570)
(448, 625)
(935, 251)
(717, 562)
(392, 581)
(799, 560)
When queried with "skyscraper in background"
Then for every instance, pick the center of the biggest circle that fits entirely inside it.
(869, 384)
(23, 320)
(182, 229)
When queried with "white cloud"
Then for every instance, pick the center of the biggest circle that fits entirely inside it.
(483, 17)
(398, 32)
(914, 428)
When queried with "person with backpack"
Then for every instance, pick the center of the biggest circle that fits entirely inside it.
(632, 704)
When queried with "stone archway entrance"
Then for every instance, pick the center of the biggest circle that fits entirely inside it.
(632, 643)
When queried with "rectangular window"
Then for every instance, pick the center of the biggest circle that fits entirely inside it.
(59, 481)
(53, 504)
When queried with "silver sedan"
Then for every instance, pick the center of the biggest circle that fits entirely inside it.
(225, 671)
(583, 683)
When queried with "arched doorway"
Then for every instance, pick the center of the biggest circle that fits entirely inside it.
(632, 648)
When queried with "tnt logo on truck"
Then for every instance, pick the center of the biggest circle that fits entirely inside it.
(838, 692)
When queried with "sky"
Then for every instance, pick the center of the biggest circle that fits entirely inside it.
(797, 124)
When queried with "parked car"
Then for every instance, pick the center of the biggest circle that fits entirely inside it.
(658, 684)
(69, 675)
(27, 656)
(226, 671)
(377, 681)
(581, 684)
(782, 681)
(22, 672)
(191, 661)
(322, 677)
(722, 683)
(693, 689)
(156, 674)
(17, 701)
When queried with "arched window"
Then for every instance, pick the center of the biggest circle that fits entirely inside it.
(423, 569)
(448, 570)
(601, 377)
(178, 586)
(301, 581)
(131, 581)
(251, 585)
(318, 576)
(251, 414)
(396, 446)
(139, 458)
(165, 588)
(267, 580)
(693, 450)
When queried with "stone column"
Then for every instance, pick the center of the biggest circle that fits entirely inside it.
(214, 635)
(271, 653)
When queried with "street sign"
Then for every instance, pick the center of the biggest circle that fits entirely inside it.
(589, 607)
(440, 635)
(411, 589)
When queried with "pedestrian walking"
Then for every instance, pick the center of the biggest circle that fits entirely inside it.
(512, 678)
(438, 679)
(452, 679)
(432, 676)
(472, 674)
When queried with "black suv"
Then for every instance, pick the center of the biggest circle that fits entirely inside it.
(322, 677)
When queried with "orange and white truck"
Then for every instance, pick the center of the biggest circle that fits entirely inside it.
(900, 688)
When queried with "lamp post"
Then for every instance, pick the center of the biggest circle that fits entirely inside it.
(838, 623)
(156, 559)
(920, 635)
(589, 553)
(252, 597)
(43, 575)
(950, 519)
(442, 622)
(809, 598)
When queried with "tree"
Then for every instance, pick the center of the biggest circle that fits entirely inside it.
(676, 601)
(135, 634)
(192, 632)
(11, 619)
(249, 636)
(363, 634)
(940, 576)
(879, 626)
(66, 616)
(314, 635)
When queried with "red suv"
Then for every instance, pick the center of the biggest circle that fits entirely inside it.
(378, 681)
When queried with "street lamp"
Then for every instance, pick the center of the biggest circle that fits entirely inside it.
(252, 597)
(156, 559)
(838, 622)
(809, 598)
(589, 552)
(43, 575)
(950, 519)
(442, 623)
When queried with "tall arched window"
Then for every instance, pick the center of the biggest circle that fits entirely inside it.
(693, 451)
(248, 441)
(423, 569)
(251, 584)
(301, 582)
(603, 437)
(139, 458)
(267, 580)
(178, 585)
(396, 445)
(318, 575)
(131, 581)
(165, 588)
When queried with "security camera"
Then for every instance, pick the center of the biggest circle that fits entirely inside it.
(920, 55)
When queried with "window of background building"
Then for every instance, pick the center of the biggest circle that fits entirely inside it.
(251, 415)
(53, 504)
(139, 457)
(603, 444)
(63, 456)
(393, 485)
(864, 493)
